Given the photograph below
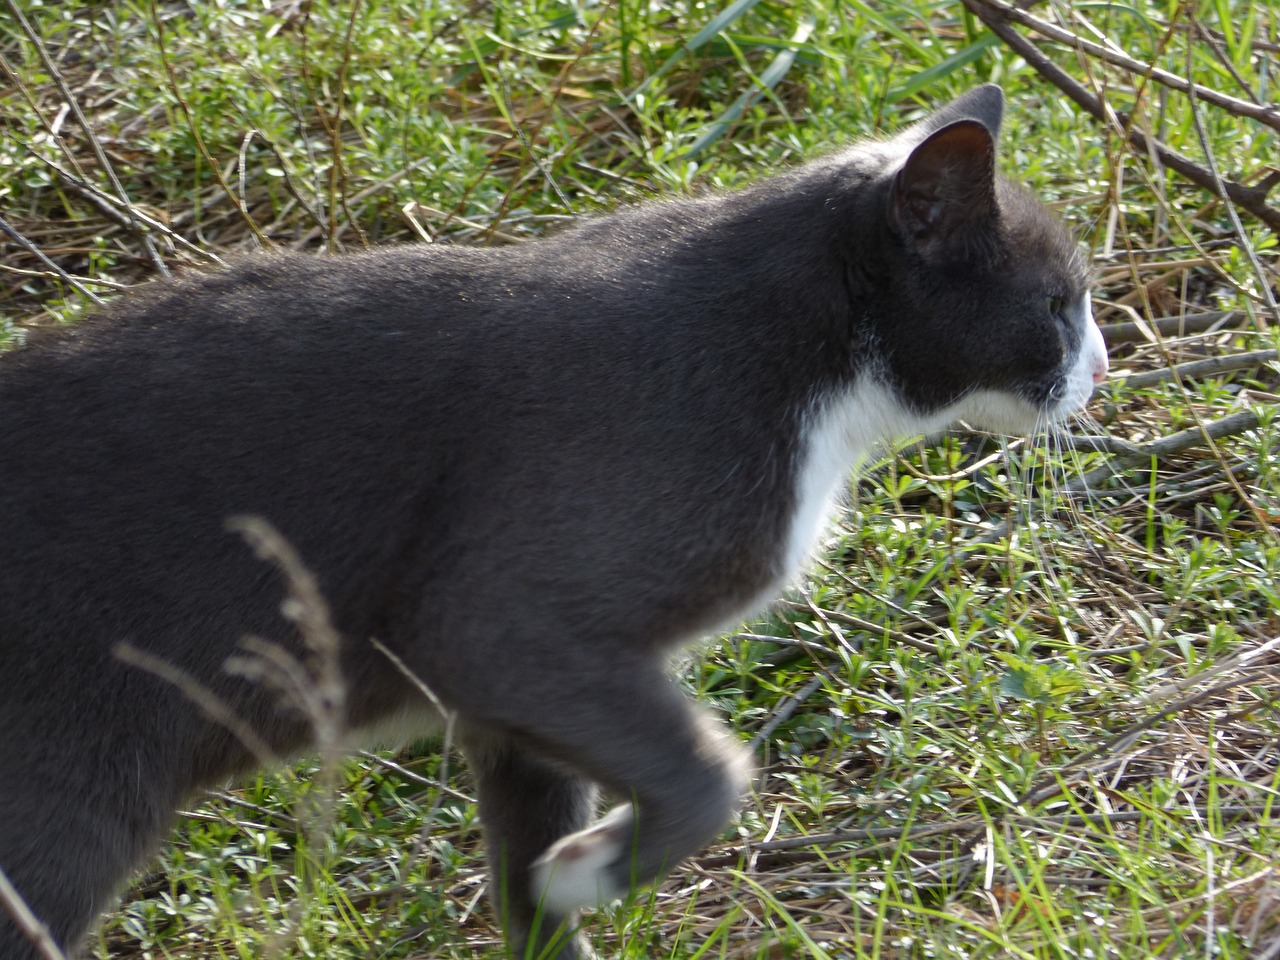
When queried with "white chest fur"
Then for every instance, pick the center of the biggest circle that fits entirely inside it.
(839, 434)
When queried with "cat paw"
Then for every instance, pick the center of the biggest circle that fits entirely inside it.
(574, 872)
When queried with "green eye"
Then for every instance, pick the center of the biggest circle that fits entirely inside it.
(1056, 305)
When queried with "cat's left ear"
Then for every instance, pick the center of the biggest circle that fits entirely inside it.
(943, 198)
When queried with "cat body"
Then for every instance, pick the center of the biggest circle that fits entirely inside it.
(530, 473)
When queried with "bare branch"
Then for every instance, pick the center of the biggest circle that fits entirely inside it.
(1250, 198)
(1240, 108)
(139, 229)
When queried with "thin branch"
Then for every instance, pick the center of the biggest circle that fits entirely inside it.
(1130, 331)
(118, 213)
(1105, 754)
(1240, 108)
(35, 251)
(1186, 439)
(1253, 199)
(1194, 369)
(338, 171)
(99, 153)
(27, 922)
(784, 710)
(792, 849)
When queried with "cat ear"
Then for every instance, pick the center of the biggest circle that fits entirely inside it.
(984, 104)
(943, 198)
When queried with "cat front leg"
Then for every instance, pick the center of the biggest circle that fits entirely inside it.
(553, 714)
(574, 871)
(645, 740)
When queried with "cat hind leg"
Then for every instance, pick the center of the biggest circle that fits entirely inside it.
(526, 804)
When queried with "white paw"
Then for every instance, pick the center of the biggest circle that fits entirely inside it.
(573, 873)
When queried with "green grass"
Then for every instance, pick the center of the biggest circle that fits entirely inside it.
(1060, 742)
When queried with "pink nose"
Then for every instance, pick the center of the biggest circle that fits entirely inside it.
(1100, 370)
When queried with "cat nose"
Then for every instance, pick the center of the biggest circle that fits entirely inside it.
(1100, 367)
(1093, 352)
(1096, 348)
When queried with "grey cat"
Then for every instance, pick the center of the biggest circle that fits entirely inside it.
(529, 472)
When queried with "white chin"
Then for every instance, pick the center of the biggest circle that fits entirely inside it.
(1005, 413)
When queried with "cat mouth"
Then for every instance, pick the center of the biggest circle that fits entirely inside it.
(1014, 413)
(1010, 414)
(1066, 397)
(1068, 393)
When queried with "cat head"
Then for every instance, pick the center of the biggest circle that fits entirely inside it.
(990, 320)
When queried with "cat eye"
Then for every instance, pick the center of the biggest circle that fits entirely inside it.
(1057, 306)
